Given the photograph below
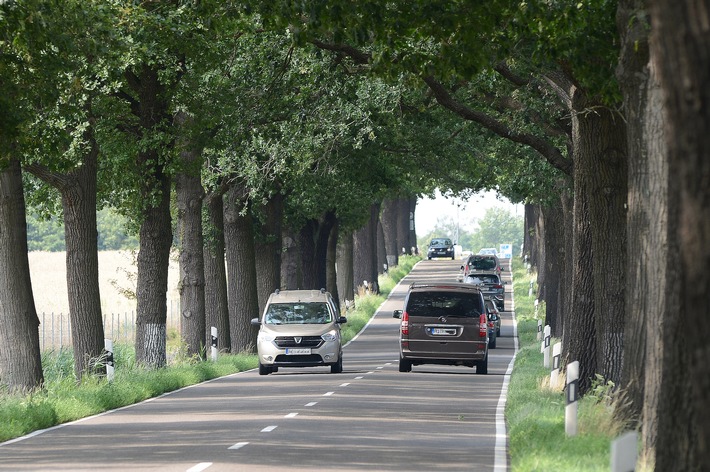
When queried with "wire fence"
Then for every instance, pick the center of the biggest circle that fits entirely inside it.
(55, 328)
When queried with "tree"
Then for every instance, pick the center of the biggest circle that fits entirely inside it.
(683, 66)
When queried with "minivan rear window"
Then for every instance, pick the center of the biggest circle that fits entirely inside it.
(442, 303)
(482, 263)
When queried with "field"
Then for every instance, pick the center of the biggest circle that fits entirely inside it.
(117, 275)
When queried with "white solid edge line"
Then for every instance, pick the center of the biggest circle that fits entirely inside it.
(500, 454)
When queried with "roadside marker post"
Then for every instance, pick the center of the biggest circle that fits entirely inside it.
(572, 397)
(546, 346)
(539, 330)
(624, 452)
(213, 350)
(555, 374)
(110, 367)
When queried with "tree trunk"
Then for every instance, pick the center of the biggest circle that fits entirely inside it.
(579, 337)
(403, 222)
(290, 260)
(381, 249)
(189, 192)
(241, 272)
(78, 193)
(331, 275)
(325, 228)
(554, 265)
(389, 219)
(680, 49)
(216, 306)
(267, 246)
(155, 231)
(600, 149)
(344, 261)
(646, 219)
(365, 252)
(20, 361)
(307, 255)
(412, 233)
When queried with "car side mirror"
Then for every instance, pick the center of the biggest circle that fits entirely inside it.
(462, 267)
(342, 320)
(397, 314)
(255, 322)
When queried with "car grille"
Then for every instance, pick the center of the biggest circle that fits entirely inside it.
(306, 341)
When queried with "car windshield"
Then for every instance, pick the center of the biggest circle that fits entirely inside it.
(440, 242)
(442, 303)
(482, 263)
(298, 313)
(484, 279)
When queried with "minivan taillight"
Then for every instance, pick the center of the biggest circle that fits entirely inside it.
(482, 326)
(405, 324)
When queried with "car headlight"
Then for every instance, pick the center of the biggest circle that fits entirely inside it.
(330, 336)
(265, 337)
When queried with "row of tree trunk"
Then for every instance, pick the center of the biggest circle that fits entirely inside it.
(622, 258)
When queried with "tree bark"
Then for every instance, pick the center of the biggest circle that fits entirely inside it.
(680, 49)
(216, 306)
(344, 260)
(600, 149)
(365, 252)
(20, 361)
(241, 271)
(78, 190)
(156, 230)
(267, 247)
(389, 219)
(189, 193)
(554, 266)
(331, 275)
(290, 266)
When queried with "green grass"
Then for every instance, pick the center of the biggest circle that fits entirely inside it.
(63, 400)
(535, 414)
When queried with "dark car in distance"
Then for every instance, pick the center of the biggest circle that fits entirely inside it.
(441, 247)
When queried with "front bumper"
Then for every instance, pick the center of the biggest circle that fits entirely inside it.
(291, 355)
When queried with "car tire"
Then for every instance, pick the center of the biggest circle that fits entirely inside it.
(405, 365)
(482, 366)
(264, 370)
(492, 342)
(429, 257)
(337, 368)
(497, 332)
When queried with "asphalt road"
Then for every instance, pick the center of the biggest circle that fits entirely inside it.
(369, 418)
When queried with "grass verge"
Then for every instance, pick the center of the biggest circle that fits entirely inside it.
(63, 400)
(535, 413)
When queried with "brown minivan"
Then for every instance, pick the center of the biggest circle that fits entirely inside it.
(443, 323)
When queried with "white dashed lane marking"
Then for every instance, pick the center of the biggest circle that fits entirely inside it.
(291, 415)
(327, 394)
(311, 404)
(239, 445)
(269, 429)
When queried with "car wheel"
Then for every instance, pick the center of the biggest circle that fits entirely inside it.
(492, 342)
(337, 368)
(264, 370)
(497, 332)
(405, 365)
(429, 257)
(482, 366)
(453, 257)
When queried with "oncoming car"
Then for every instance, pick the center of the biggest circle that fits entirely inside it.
(443, 323)
(441, 247)
(299, 328)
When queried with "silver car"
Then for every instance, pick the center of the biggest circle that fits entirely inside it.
(299, 328)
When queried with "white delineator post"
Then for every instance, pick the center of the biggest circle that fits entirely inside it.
(555, 374)
(213, 349)
(546, 346)
(572, 397)
(539, 330)
(110, 366)
(624, 452)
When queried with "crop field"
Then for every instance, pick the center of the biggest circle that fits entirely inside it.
(117, 280)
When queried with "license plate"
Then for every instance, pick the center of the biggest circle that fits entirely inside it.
(297, 351)
(443, 331)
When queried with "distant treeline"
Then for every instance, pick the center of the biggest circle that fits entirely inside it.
(48, 235)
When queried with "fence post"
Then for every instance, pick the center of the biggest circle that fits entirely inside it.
(214, 343)
(108, 343)
(624, 452)
(572, 397)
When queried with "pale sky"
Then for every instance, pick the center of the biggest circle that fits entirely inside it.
(468, 212)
